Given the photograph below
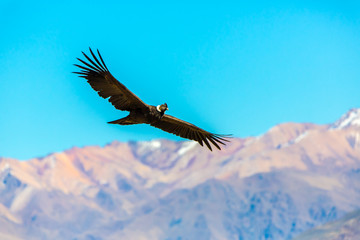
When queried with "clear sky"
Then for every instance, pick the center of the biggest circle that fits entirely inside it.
(227, 67)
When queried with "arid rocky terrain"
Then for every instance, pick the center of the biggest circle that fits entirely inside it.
(294, 177)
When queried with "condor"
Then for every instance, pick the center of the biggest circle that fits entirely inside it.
(100, 79)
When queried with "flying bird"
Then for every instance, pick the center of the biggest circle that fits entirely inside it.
(102, 81)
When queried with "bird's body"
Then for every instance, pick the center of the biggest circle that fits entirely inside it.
(101, 80)
(147, 115)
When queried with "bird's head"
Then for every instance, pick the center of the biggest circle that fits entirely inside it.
(162, 108)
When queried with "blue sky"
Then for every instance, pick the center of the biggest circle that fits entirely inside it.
(235, 68)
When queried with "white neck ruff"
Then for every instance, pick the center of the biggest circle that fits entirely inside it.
(158, 108)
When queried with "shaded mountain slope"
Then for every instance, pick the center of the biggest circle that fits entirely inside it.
(345, 228)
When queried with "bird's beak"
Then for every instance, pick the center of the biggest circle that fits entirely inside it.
(167, 108)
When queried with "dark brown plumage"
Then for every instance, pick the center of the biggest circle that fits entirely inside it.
(100, 79)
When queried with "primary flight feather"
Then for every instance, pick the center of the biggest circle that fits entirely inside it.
(100, 79)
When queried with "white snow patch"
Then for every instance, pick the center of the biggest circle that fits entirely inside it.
(350, 118)
(356, 137)
(155, 144)
(52, 162)
(295, 140)
(22, 199)
(5, 167)
(151, 144)
(103, 182)
(186, 147)
(300, 137)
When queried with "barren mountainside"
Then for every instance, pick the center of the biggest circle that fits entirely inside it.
(346, 227)
(275, 186)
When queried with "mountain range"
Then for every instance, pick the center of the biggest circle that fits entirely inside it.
(294, 177)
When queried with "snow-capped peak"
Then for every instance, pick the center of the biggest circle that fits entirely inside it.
(351, 118)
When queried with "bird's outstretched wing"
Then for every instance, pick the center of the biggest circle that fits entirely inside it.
(101, 80)
(187, 130)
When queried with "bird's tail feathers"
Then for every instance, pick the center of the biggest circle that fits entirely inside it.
(123, 121)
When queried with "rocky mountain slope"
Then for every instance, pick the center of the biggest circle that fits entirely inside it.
(346, 227)
(292, 178)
